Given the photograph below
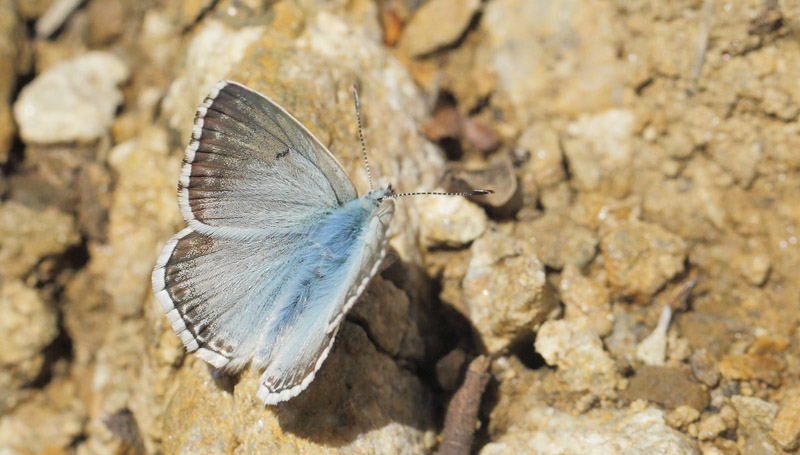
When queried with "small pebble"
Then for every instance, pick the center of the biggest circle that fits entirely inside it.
(710, 427)
(682, 416)
(73, 101)
(786, 427)
(704, 367)
(450, 222)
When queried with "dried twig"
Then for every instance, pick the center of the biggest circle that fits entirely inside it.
(462, 413)
(679, 296)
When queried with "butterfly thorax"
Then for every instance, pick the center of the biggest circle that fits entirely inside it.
(347, 222)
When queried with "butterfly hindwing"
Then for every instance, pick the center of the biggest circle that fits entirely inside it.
(294, 347)
(212, 287)
(276, 301)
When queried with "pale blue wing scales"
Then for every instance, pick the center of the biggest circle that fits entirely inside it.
(309, 313)
(216, 291)
(250, 166)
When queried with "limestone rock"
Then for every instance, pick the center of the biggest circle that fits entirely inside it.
(599, 149)
(786, 426)
(73, 101)
(505, 291)
(28, 325)
(578, 354)
(640, 258)
(436, 24)
(557, 240)
(27, 236)
(450, 221)
(587, 298)
(547, 431)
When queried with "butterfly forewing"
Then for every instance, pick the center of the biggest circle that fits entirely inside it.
(251, 166)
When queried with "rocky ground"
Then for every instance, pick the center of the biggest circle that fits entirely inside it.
(635, 280)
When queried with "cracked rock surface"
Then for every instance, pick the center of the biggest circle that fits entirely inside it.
(650, 167)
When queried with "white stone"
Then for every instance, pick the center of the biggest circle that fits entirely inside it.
(598, 146)
(577, 352)
(450, 221)
(548, 431)
(73, 101)
(505, 290)
(212, 52)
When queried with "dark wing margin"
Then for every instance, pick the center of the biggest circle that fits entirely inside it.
(174, 303)
(251, 165)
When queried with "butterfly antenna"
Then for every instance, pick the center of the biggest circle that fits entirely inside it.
(369, 174)
(435, 193)
(361, 136)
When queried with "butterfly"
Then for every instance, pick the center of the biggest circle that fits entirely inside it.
(278, 246)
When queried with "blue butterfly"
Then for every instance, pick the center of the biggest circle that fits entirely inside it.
(278, 248)
(279, 245)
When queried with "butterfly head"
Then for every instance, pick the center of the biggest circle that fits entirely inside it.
(380, 194)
